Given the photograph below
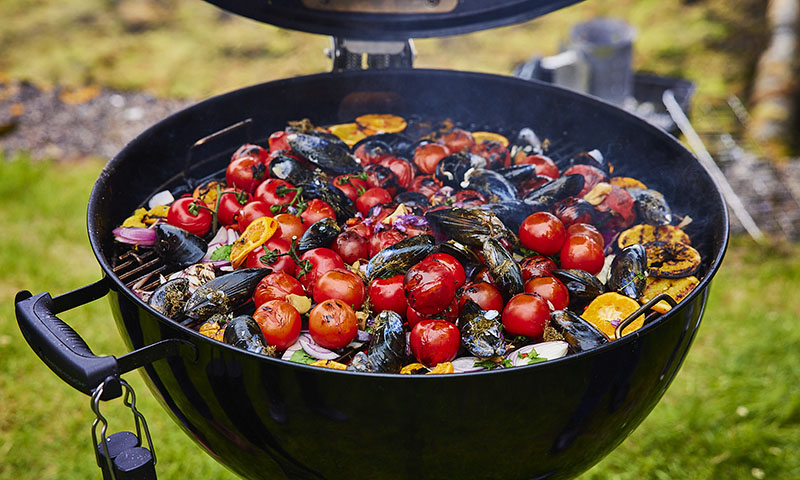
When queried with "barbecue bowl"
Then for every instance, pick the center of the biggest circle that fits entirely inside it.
(267, 418)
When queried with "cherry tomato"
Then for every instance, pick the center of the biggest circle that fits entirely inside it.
(486, 295)
(276, 286)
(434, 341)
(279, 322)
(425, 184)
(379, 176)
(402, 168)
(427, 156)
(458, 139)
(360, 228)
(454, 265)
(551, 289)
(383, 239)
(265, 257)
(588, 230)
(289, 226)
(494, 153)
(537, 266)
(342, 284)
(277, 141)
(388, 294)
(322, 260)
(469, 198)
(332, 324)
(191, 215)
(574, 210)
(526, 314)
(372, 197)
(245, 173)
(267, 192)
(351, 246)
(370, 152)
(248, 150)
(582, 253)
(542, 232)
(231, 202)
(483, 275)
(620, 204)
(251, 211)
(430, 286)
(316, 210)
(351, 185)
(544, 165)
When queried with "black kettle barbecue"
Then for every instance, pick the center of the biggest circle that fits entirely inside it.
(267, 418)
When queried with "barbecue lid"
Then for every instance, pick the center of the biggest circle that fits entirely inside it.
(391, 19)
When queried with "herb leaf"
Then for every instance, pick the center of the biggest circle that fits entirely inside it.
(301, 356)
(222, 253)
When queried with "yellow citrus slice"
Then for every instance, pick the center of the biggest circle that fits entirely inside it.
(441, 368)
(382, 123)
(626, 182)
(481, 137)
(677, 288)
(329, 364)
(609, 309)
(349, 133)
(256, 234)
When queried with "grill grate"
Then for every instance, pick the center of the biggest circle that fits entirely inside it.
(139, 270)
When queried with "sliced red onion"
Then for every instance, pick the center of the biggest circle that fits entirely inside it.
(363, 336)
(311, 348)
(221, 237)
(287, 355)
(163, 197)
(135, 235)
(546, 350)
(466, 365)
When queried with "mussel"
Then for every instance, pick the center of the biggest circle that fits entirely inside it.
(387, 348)
(398, 258)
(592, 158)
(177, 247)
(511, 212)
(394, 143)
(224, 294)
(481, 330)
(381, 176)
(290, 169)
(243, 332)
(651, 206)
(320, 234)
(577, 332)
(341, 203)
(451, 170)
(331, 156)
(469, 226)
(170, 297)
(583, 287)
(465, 256)
(520, 175)
(555, 190)
(493, 186)
(628, 272)
(413, 200)
(505, 271)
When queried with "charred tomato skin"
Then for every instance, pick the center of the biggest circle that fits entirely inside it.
(276, 286)
(283, 263)
(342, 284)
(332, 324)
(245, 173)
(486, 295)
(279, 322)
(434, 341)
(536, 266)
(322, 260)
(388, 294)
(429, 286)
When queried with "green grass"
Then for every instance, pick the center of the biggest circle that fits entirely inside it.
(732, 412)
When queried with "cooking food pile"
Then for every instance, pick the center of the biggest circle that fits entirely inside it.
(396, 245)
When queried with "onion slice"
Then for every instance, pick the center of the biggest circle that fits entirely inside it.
(466, 365)
(316, 351)
(135, 235)
(545, 350)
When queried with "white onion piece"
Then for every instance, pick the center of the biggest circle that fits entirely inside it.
(135, 235)
(546, 350)
(163, 197)
(363, 336)
(221, 237)
(466, 365)
(287, 355)
(311, 348)
(233, 235)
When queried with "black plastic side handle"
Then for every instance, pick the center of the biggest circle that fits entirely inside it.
(59, 346)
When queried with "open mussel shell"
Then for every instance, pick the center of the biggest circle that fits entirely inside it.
(481, 330)
(224, 294)
(320, 234)
(469, 226)
(651, 206)
(555, 190)
(505, 271)
(413, 200)
(177, 247)
(511, 212)
(290, 169)
(628, 271)
(398, 258)
(493, 186)
(594, 159)
(332, 156)
(387, 348)
(583, 287)
(465, 256)
(451, 170)
(394, 143)
(577, 332)
(243, 332)
(170, 297)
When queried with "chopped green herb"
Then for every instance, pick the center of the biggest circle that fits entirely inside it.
(222, 253)
(533, 357)
(301, 356)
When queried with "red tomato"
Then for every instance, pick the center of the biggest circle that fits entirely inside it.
(402, 168)
(251, 211)
(276, 286)
(591, 175)
(279, 322)
(351, 185)
(369, 152)
(322, 260)
(248, 150)
(542, 232)
(427, 156)
(484, 294)
(537, 266)
(383, 239)
(332, 324)
(230, 203)
(574, 210)
(582, 253)
(458, 139)
(191, 215)
(551, 289)
(277, 141)
(342, 284)
(434, 342)
(379, 176)
(289, 226)
(372, 197)
(449, 314)
(494, 153)
(265, 257)
(266, 192)
(388, 294)
(316, 210)
(544, 166)
(621, 205)
(588, 230)
(425, 184)
(454, 265)
(526, 314)
(360, 228)
(245, 173)
(483, 275)
(430, 286)
(351, 246)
